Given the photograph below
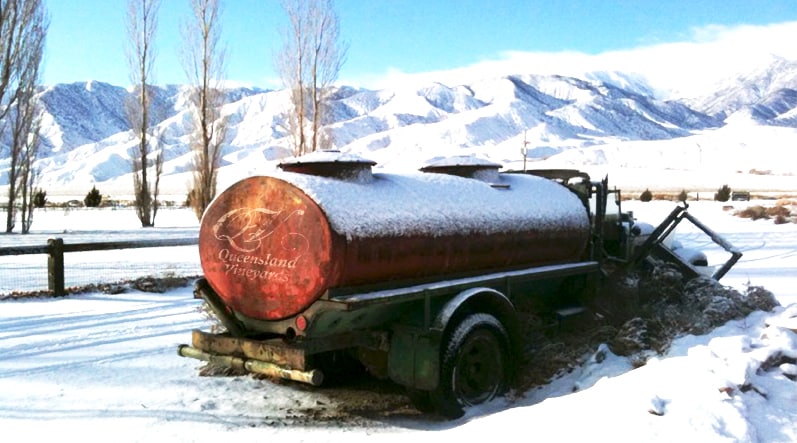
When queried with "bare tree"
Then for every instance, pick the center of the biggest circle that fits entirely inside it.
(142, 22)
(23, 29)
(308, 64)
(204, 66)
(29, 177)
(26, 128)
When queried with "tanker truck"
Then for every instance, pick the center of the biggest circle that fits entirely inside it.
(416, 276)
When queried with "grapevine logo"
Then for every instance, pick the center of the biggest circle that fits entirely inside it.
(246, 230)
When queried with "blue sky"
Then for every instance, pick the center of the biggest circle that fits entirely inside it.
(86, 39)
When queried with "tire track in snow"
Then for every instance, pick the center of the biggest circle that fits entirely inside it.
(777, 245)
(70, 365)
(92, 339)
(49, 324)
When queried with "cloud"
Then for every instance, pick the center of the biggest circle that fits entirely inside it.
(681, 68)
(713, 53)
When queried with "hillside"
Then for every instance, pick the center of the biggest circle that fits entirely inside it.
(739, 132)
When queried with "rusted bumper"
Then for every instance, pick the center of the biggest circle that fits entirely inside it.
(272, 357)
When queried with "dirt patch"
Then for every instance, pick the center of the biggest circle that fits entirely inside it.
(639, 316)
(358, 400)
(143, 284)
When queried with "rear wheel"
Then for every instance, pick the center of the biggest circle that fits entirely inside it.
(475, 365)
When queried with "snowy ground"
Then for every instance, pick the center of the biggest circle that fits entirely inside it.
(99, 367)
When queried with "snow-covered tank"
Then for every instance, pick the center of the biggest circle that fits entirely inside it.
(272, 245)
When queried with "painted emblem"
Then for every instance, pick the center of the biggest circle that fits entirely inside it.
(245, 228)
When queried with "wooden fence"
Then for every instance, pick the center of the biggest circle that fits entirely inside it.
(56, 248)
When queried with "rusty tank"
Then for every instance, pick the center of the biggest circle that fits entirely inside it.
(272, 245)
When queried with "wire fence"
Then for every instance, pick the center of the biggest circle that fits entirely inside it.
(56, 266)
(100, 246)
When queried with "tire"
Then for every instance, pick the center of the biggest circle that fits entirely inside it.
(475, 365)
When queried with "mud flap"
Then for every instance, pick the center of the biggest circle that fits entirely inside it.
(414, 358)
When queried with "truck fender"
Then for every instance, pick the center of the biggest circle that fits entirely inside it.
(473, 300)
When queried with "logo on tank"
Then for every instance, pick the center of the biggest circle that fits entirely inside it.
(247, 230)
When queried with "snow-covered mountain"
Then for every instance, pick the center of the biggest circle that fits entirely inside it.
(603, 119)
(767, 94)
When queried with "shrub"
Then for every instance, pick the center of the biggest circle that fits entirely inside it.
(40, 198)
(723, 194)
(93, 198)
(683, 196)
(189, 198)
(646, 196)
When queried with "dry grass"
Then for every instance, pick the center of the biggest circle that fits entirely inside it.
(781, 212)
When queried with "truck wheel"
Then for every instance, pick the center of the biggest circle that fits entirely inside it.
(475, 365)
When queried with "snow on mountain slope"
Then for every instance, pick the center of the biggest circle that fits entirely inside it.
(765, 93)
(80, 113)
(607, 119)
(560, 111)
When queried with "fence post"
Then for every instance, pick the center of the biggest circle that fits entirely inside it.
(55, 266)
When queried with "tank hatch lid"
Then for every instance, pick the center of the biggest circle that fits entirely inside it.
(561, 175)
(329, 163)
(467, 166)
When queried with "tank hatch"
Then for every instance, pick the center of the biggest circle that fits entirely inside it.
(330, 163)
(467, 166)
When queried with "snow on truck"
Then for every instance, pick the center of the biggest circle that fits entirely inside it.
(416, 276)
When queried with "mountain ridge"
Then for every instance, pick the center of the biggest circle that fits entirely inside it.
(86, 140)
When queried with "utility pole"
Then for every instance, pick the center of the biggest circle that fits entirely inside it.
(524, 150)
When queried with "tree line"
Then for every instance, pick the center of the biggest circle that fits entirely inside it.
(308, 63)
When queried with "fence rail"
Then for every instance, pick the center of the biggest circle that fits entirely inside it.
(56, 248)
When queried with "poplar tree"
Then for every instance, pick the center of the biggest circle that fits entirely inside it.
(203, 63)
(309, 62)
(142, 22)
(23, 29)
